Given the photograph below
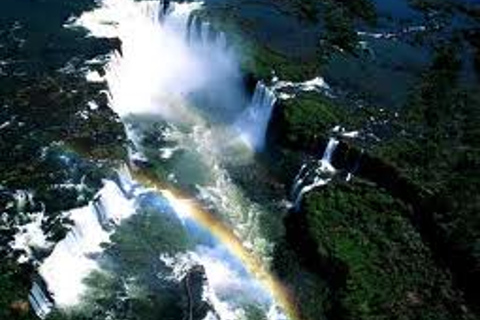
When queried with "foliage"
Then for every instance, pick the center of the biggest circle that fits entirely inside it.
(386, 270)
(304, 120)
(340, 32)
(339, 19)
(310, 290)
(45, 114)
(262, 60)
(133, 283)
(14, 281)
(383, 259)
(440, 152)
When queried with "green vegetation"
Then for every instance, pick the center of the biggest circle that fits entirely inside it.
(44, 115)
(340, 17)
(130, 285)
(311, 289)
(473, 37)
(340, 32)
(360, 9)
(384, 271)
(262, 60)
(304, 120)
(14, 285)
(440, 152)
(258, 57)
(403, 245)
(333, 21)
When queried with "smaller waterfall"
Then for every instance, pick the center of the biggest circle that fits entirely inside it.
(39, 301)
(221, 40)
(156, 10)
(253, 123)
(314, 175)
(331, 147)
(71, 260)
(298, 181)
(198, 31)
(202, 33)
(205, 30)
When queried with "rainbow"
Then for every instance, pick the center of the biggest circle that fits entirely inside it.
(182, 203)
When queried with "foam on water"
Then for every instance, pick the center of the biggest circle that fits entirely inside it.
(235, 275)
(166, 65)
(314, 175)
(72, 258)
(30, 236)
(158, 71)
(228, 283)
(288, 89)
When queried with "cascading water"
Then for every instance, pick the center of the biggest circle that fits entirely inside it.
(209, 70)
(331, 147)
(66, 267)
(202, 33)
(40, 302)
(174, 66)
(314, 175)
(253, 124)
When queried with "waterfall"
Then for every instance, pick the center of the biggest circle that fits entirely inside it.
(163, 67)
(221, 40)
(200, 32)
(298, 181)
(39, 301)
(314, 175)
(156, 10)
(329, 150)
(167, 66)
(253, 123)
(71, 259)
(204, 35)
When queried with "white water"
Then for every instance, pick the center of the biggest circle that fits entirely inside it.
(71, 260)
(253, 124)
(327, 155)
(30, 236)
(163, 67)
(314, 175)
(166, 66)
(228, 283)
(40, 303)
(288, 89)
(342, 132)
(394, 34)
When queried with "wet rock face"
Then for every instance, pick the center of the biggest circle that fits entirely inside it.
(194, 284)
